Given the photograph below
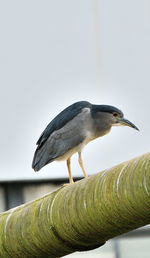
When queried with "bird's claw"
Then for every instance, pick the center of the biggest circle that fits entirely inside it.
(67, 184)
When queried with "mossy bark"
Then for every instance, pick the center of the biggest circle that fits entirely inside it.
(81, 216)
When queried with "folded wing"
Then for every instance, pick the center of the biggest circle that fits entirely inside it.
(61, 141)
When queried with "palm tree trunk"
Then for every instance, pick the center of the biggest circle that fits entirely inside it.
(82, 216)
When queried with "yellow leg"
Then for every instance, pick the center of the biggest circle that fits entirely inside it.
(81, 165)
(69, 171)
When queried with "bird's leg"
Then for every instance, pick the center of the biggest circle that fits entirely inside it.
(81, 164)
(69, 171)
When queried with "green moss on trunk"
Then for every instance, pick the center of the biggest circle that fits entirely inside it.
(81, 216)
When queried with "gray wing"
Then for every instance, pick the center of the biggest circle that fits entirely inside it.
(60, 142)
(61, 119)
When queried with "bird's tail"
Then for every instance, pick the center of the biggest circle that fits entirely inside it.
(35, 163)
(41, 158)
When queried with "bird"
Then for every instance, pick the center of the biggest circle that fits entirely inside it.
(72, 129)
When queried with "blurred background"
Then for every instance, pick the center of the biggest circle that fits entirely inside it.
(54, 53)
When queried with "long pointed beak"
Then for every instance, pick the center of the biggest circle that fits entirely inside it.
(123, 121)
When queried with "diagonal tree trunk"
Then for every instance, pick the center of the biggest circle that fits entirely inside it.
(82, 216)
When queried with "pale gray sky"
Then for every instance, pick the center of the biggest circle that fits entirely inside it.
(53, 53)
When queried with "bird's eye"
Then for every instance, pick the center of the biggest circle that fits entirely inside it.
(115, 114)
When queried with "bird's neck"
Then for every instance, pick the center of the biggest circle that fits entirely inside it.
(101, 128)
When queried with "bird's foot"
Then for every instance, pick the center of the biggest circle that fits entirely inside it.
(71, 183)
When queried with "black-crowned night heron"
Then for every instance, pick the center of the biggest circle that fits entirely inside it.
(72, 129)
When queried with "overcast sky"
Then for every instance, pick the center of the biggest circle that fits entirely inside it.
(54, 53)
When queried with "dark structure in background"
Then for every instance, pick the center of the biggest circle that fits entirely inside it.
(15, 193)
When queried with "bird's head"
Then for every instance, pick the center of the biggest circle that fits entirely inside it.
(119, 120)
(110, 116)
